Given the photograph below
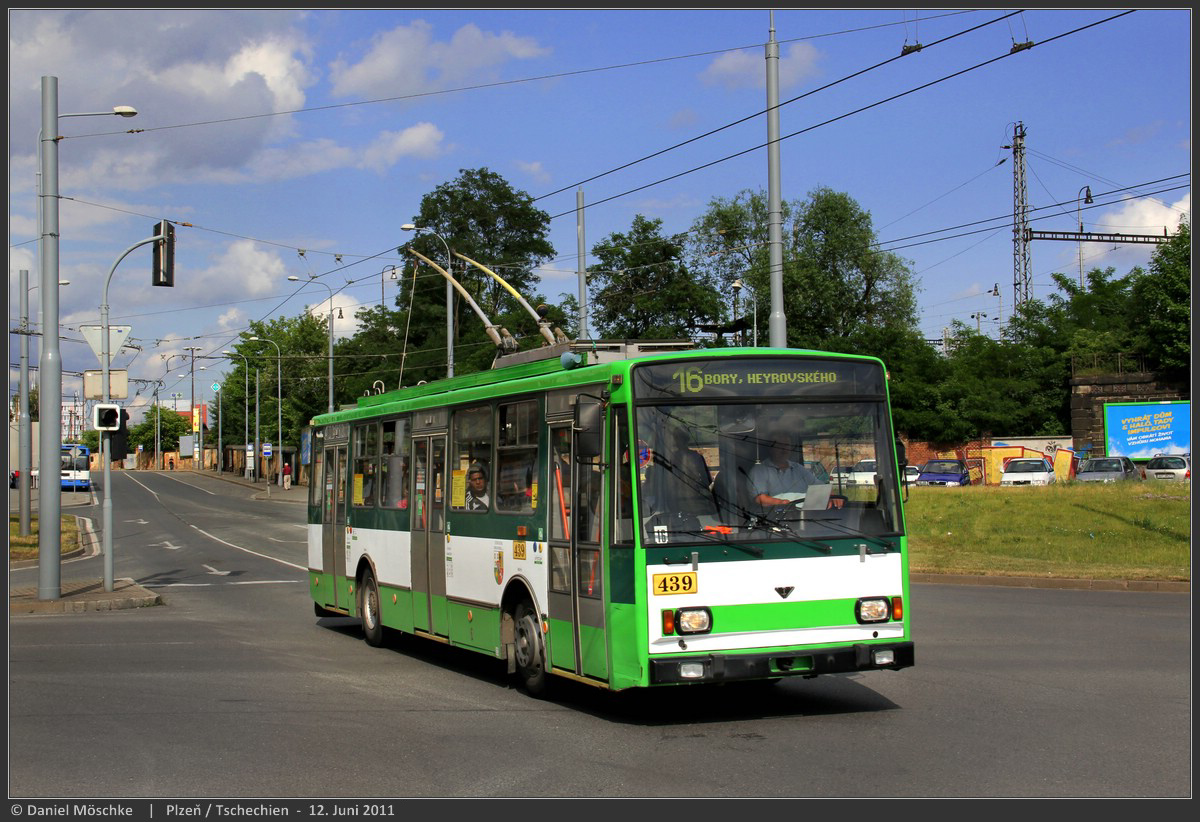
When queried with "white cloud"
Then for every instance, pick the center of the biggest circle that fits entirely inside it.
(747, 69)
(1143, 216)
(408, 60)
(535, 170)
(244, 270)
(424, 141)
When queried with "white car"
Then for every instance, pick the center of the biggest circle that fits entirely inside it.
(863, 473)
(1036, 471)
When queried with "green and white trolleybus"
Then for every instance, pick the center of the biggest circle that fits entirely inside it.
(590, 510)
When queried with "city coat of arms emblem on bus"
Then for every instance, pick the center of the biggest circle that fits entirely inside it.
(499, 567)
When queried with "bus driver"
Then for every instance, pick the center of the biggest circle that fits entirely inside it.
(779, 475)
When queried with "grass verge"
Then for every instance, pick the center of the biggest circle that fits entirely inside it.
(1130, 530)
(22, 548)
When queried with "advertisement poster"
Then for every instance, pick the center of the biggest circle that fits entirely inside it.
(1141, 430)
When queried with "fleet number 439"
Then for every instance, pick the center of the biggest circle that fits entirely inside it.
(678, 583)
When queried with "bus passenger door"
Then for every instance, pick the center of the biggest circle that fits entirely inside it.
(428, 497)
(576, 597)
(333, 523)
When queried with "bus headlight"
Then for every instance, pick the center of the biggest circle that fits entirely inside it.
(873, 609)
(693, 620)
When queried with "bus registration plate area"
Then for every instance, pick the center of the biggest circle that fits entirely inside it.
(680, 582)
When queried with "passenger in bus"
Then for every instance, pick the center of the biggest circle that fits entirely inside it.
(477, 492)
(779, 474)
(678, 478)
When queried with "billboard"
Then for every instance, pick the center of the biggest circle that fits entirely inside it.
(1139, 430)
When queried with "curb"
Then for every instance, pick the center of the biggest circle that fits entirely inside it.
(1059, 583)
(82, 597)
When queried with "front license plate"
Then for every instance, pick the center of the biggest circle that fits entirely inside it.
(683, 582)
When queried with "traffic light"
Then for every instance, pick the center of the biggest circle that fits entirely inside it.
(106, 417)
(119, 447)
(164, 255)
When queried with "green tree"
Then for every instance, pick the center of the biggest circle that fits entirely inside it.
(838, 289)
(839, 286)
(1160, 300)
(304, 367)
(481, 216)
(171, 426)
(641, 288)
(15, 401)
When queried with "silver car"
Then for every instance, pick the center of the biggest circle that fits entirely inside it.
(1108, 469)
(1170, 467)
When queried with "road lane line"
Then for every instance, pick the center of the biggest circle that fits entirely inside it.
(189, 485)
(139, 482)
(248, 551)
(210, 585)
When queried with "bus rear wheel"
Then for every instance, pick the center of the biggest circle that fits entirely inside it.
(368, 610)
(530, 651)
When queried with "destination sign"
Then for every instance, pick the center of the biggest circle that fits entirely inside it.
(782, 377)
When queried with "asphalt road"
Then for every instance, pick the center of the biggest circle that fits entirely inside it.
(233, 689)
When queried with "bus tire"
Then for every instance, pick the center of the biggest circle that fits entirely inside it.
(530, 650)
(368, 609)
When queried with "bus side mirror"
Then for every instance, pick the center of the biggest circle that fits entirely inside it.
(589, 428)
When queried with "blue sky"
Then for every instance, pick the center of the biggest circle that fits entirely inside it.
(277, 131)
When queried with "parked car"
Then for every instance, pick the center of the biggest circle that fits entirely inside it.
(1108, 469)
(1170, 467)
(840, 473)
(945, 473)
(911, 473)
(863, 473)
(1024, 471)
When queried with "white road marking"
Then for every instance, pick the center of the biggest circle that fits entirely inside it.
(211, 584)
(213, 570)
(139, 482)
(255, 553)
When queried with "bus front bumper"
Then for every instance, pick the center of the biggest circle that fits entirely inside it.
(733, 667)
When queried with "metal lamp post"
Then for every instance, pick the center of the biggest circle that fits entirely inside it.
(106, 436)
(50, 362)
(737, 286)
(279, 401)
(1079, 218)
(449, 296)
(24, 420)
(197, 429)
(245, 410)
(382, 281)
(313, 279)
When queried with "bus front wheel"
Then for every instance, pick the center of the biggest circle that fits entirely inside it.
(368, 610)
(530, 651)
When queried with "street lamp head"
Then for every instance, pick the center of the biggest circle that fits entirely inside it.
(1088, 195)
(292, 278)
(408, 227)
(737, 285)
(125, 111)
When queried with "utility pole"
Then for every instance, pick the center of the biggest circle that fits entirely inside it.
(1021, 262)
(777, 326)
(197, 428)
